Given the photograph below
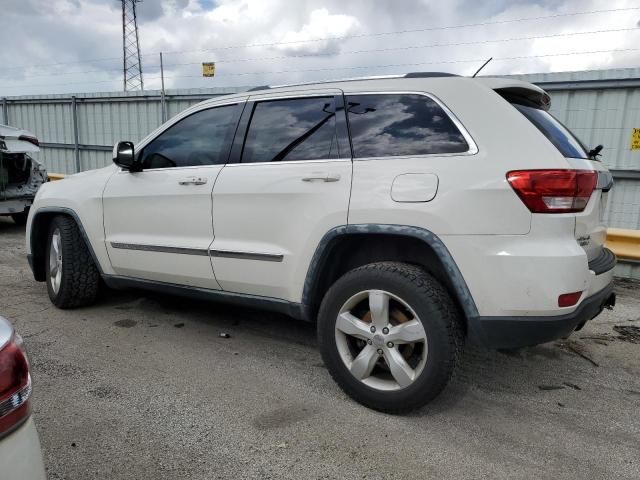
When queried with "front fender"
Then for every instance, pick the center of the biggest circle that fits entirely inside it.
(79, 196)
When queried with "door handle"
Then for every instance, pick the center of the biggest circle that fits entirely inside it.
(324, 177)
(193, 181)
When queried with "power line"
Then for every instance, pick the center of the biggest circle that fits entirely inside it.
(440, 62)
(413, 47)
(345, 37)
(416, 30)
(353, 52)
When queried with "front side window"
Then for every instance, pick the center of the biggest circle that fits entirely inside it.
(292, 129)
(203, 138)
(385, 125)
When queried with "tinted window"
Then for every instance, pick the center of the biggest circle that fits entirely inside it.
(557, 133)
(200, 139)
(287, 130)
(401, 124)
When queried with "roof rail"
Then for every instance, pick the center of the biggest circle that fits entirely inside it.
(373, 77)
(429, 75)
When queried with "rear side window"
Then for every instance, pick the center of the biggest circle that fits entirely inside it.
(555, 131)
(401, 124)
(293, 129)
(203, 138)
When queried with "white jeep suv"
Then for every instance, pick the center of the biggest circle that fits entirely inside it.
(408, 215)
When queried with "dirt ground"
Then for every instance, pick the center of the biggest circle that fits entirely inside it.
(142, 386)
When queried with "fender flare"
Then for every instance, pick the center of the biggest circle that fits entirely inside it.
(76, 218)
(458, 283)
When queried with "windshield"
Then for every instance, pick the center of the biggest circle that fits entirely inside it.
(555, 131)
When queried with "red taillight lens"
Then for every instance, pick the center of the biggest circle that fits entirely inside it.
(15, 385)
(553, 191)
(30, 139)
(569, 299)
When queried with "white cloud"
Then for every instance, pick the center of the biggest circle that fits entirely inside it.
(321, 24)
(36, 35)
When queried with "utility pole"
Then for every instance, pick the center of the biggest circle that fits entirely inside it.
(162, 99)
(131, 59)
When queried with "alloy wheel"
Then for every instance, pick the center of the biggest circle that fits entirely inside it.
(381, 340)
(55, 261)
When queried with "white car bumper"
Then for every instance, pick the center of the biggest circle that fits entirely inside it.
(20, 454)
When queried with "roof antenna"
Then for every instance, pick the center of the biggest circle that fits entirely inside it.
(483, 65)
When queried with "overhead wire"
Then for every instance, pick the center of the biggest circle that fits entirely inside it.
(353, 52)
(413, 64)
(345, 37)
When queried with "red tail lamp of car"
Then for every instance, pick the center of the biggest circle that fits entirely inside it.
(15, 385)
(554, 191)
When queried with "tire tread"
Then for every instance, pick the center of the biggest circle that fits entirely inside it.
(80, 277)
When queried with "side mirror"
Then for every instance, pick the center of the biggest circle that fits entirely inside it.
(124, 156)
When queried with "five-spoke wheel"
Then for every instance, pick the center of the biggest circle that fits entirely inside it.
(390, 335)
(381, 340)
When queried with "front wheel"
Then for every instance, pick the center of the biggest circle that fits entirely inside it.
(390, 336)
(72, 276)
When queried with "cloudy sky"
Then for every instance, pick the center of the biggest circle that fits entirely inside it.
(61, 46)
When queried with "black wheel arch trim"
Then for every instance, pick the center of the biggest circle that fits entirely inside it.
(318, 261)
(32, 258)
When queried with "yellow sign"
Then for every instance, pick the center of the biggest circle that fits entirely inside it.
(635, 139)
(208, 69)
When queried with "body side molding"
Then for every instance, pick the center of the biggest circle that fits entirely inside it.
(160, 248)
(267, 257)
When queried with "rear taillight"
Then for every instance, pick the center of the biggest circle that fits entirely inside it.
(15, 385)
(553, 191)
(30, 139)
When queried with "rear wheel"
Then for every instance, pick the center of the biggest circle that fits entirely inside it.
(72, 276)
(390, 336)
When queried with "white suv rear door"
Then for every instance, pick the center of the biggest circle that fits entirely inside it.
(158, 222)
(289, 185)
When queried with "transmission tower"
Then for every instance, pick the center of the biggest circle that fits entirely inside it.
(131, 61)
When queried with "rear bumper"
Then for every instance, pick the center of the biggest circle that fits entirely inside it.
(525, 331)
(20, 454)
(8, 207)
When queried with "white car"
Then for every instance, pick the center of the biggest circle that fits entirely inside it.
(20, 455)
(407, 215)
(20, 175)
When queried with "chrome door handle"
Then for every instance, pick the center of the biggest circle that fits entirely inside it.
(321, 178)
(193, 181)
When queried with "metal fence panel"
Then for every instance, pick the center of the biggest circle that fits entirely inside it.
(102, 119)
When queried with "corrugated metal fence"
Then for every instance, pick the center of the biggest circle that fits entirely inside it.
(77, 132)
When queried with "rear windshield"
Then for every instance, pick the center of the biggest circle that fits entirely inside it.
(557, 133)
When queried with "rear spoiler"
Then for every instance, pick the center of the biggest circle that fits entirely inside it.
(526, 96)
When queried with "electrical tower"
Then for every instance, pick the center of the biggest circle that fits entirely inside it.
(131, 61)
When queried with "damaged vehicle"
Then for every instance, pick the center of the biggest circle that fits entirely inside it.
(20, 174)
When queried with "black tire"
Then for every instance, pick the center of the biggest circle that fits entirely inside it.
(20, 218)
(80, 278)
(436, 311)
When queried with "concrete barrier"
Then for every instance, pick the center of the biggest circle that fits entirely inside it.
(624, 243)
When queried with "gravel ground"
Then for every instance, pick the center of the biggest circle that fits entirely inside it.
(141, 386)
